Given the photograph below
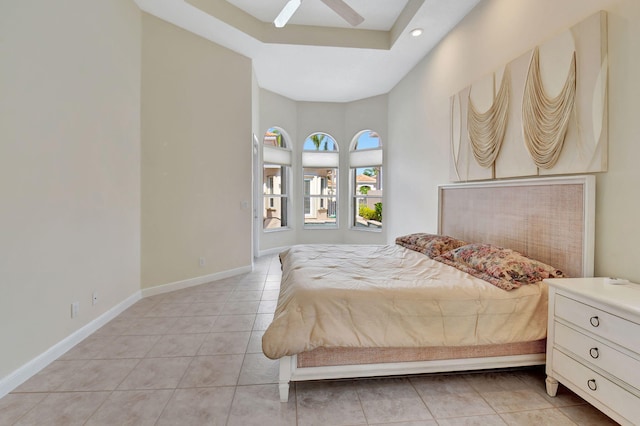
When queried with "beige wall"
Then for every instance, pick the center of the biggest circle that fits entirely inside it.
(69, 168)
(494, 33)
(196, 156)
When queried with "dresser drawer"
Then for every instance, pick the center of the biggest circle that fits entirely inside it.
(596, 386)
(598, 322)
(597, 353)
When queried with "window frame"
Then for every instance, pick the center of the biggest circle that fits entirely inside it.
(355, 196)
(314, 161)
(282, 156)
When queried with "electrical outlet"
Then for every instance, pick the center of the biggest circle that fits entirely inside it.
(75, 307)
(201, 261)
(94, 298)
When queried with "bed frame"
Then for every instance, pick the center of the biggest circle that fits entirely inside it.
(549, 219)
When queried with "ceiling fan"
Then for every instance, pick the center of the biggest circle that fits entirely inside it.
(338, 6)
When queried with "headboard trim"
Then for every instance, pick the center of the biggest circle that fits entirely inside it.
(549, 219)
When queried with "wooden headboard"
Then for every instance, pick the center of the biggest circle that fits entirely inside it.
(548, 219)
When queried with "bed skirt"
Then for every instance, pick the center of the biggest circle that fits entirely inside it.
(356, 356)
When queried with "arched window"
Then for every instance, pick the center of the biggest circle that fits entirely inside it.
(320, 173)
(276, 160)
(365, 162)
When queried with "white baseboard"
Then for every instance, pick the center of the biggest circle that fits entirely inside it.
(22, 374)
(191, 282)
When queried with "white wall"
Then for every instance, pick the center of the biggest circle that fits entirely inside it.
(494, 33)
(69, 168)
(196, 156)
(340, 120)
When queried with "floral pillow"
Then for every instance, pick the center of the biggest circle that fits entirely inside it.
(502, 267)
(430, 244)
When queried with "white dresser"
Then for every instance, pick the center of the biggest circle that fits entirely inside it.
(593, 344)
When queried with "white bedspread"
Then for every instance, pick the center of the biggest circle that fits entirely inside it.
(390, 296)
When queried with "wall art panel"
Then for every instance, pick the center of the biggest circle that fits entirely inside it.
(585, 148)
(544, 113)
(514, 160)
(465, 167)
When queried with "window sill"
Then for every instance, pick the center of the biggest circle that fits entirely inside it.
(365, 229)
(281, 229)
(320, 226)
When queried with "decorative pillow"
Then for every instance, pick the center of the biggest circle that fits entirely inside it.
(502, 267)
(430, 244)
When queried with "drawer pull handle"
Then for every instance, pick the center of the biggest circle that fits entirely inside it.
(594, 353)
(595, 321)
(592, 384)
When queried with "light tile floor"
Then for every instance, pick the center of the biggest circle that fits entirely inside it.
(193, 357)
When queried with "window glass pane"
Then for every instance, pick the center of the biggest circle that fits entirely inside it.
(275, 212)
(274, 179)
(367, 198)
(320, 181)
(273, 137)
(320, 142)
(367, 140)
(320, 211)
(367, 179)
(368, 212)
(275, 196)
(320, 197)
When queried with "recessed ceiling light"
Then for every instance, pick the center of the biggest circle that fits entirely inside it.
(416, 32)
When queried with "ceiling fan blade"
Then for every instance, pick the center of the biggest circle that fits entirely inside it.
(344, 10)
(286, 13)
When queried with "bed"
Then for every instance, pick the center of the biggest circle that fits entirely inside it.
(347, 311)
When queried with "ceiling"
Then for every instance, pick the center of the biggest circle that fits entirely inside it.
(317, 56)
(380, 14)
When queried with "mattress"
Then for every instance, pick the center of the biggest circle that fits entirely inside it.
(387, 296)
